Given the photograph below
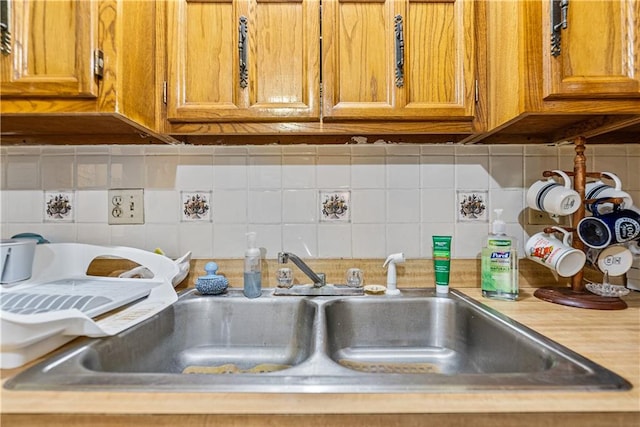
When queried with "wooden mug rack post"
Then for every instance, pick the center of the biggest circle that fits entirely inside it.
(577, 295)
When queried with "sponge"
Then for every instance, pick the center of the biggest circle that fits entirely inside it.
(212, 283)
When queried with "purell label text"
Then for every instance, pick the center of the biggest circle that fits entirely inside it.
(626, 229)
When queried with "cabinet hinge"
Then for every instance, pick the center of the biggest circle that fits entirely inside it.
(164, 92)
(98, 63)
(477, 92)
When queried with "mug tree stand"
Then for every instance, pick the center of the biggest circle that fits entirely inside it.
(577, 295)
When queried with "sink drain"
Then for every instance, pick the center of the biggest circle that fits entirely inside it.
(390, 368)
(230, 368)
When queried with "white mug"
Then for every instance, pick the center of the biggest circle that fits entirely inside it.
(599, 190)
(616, 260)
(552, 197)
(558, 255)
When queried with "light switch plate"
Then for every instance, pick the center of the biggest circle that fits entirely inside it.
(126, 206)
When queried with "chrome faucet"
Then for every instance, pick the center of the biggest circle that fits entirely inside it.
(319, 280)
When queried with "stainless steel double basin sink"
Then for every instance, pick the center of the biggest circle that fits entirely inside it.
(416, 342)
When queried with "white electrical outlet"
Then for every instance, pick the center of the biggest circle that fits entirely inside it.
(126, 206)
(543, 218)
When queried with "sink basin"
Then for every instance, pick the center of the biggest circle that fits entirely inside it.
(430, 335)
(416, 342)
(215, 335)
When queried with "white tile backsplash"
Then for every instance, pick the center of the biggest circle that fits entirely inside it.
(299, 206)
(301, 239)
(23, 172)
(196, 237)
(403, 206)
(368, 240)
(368, 206)
(334, 241)
(195, 172)
(265, 172)
(162, 207)
(92, 207)
(437, 205)
(265, 206)
(230, 206)
(230, 172)
(127, 171)
(368, 172)
(299, 172)
(472, 172)
(334, 171)
(93, 171)
(229, 240)
(403, 172)
(57, 171)
(403, 238)
(400, 194)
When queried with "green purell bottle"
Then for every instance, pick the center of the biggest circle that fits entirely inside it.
(499, 264)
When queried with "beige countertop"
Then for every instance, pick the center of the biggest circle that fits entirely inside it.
(610, 338)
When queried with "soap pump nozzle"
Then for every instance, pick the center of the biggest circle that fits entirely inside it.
(391, 262)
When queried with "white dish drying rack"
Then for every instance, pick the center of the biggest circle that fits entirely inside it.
(61, 302)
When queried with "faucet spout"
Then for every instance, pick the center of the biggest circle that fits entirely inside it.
(318, 279)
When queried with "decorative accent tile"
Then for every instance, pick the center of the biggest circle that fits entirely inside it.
(472, 206)
(195, 205)
(335, 206)
(59, 206)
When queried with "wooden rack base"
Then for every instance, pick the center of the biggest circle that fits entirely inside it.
(577, 295)
(585, 299)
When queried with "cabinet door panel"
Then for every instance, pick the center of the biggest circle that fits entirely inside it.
(280, 44)
(52, 49)
(202, 60)
(282, 51)
(440, 45)
(359, 59)
(597, 54)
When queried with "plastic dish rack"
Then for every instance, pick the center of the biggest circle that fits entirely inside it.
(60, 301)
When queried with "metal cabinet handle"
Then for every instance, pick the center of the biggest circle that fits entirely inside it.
(242, 47)
(5, 34)
(399, 38)
(559, 10)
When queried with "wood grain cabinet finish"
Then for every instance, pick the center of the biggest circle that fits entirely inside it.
(360, 59)
(52, 49)
(599, 50)
(210, 78)
(50, 91)
(344, 51)
(587, 85)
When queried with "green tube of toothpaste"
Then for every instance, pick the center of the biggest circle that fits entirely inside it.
(442, 262)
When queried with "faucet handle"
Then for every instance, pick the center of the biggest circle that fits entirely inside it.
(323, 278)
(283, 257)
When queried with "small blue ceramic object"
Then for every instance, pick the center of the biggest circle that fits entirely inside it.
(212, 283)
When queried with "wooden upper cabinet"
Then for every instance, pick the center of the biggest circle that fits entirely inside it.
(398, 59)
(52, 48)
(597, 54)
(582, 80)
(243, 60)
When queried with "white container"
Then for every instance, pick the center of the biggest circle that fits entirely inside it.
(16, 259)
(252, 268)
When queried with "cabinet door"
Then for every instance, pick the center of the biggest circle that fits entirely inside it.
(52, 45)
(361, 59)
(238, 60)
(598, 56)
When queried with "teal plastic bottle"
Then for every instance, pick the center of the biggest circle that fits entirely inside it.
(499, 263)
